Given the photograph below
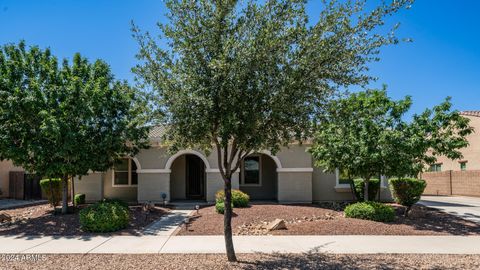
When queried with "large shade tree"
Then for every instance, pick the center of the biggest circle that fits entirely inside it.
(366, 134)
(63, 120)
(240, 76)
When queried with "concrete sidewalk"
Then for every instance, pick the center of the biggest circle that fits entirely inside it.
(353, 244)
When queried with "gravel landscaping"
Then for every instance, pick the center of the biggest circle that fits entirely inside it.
(40, 220)
(246, 261)
(326, 219)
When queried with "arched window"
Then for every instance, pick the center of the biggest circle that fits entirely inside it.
(125, 173)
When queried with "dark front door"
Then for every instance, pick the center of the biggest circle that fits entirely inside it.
(195, 177)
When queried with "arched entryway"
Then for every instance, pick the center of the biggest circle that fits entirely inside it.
(188, 178)
(259, 178)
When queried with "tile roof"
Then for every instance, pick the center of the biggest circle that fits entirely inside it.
(157, 132)
(471, 113)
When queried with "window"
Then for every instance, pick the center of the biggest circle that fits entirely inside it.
(125, 173)
(343, 177)
(435, 168)
(463, 165)
(251, 174)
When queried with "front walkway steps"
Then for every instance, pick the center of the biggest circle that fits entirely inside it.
(350, 244)
(167, 224)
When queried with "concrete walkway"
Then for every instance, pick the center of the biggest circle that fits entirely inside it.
(464, 207)
(243, 244)
(10, 203)
(166, 225)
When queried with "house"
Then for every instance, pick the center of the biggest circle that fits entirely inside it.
(289, 176)
(471, 154)
(458, 177)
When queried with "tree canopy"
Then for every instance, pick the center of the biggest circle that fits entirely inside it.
(63, 120)
(366, 134)
(249, 75)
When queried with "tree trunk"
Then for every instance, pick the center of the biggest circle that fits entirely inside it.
(65, 195)
(227, 221)
(365, 192)
(73, 193)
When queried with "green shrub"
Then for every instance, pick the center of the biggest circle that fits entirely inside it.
(370, 210)
(220, 207)
(104, 217)
(373, 188)
(52, 188)
(239, 198)
(407, 191)
(118, 201)
(79, 199)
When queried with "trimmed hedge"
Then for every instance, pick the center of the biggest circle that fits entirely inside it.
(373, 188)
(79, 199)
(371, 211)
(407, 191)
(105, 216)
(53, 190)
(239, 198)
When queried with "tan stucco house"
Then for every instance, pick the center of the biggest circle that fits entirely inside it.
(287, 177)
(471, 154)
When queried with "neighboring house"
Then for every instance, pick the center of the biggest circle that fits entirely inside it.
(287, 177)
(5, 168)
(458, 177)
(471, 154)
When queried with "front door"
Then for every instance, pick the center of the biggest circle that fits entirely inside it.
(195, 177)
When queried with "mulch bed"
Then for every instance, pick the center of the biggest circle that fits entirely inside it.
(327, 219)
(246, 261)
(41, 220)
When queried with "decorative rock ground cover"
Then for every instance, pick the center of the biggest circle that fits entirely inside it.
(326, 219)
(40, 220)
(247, 261)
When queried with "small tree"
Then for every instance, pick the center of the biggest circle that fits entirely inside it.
(353, 132)
(241, 76)
(365, 133)
(61, 121)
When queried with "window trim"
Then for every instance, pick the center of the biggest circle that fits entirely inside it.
(130, 160)
(242, 172)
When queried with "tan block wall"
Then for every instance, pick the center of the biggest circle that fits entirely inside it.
(295, 187)
(438, 183)
(466, 183)
(463, 183)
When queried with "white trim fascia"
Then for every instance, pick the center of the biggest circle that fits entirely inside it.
(154, 171)
(295, 170)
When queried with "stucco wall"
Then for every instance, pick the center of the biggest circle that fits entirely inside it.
(471, 154)
(126, 193)
(91, 186)
(152, 185)
(178, 179)
(6, 167)
(324, 187)
(295, 187)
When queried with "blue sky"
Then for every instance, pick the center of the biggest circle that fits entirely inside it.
(443, 59)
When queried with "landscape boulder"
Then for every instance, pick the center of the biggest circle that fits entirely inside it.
(277, 224)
